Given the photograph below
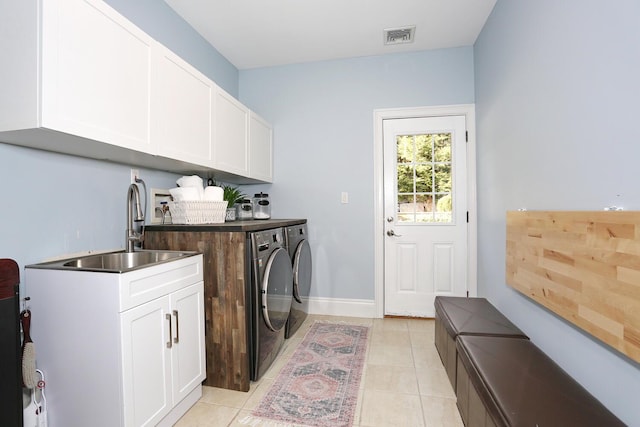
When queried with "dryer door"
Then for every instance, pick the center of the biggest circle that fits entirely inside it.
(302, 271)
(277, 289)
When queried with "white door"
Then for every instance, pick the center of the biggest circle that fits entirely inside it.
(146, 362)
(425, 210)
(188, 352)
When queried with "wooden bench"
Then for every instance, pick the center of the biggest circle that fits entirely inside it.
(466, 316)
(511, 382)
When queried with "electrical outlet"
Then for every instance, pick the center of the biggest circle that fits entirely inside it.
(134, 174)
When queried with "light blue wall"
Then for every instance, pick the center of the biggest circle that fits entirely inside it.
(322, 114)
(557, 109)
(57, 204)
(157, 19)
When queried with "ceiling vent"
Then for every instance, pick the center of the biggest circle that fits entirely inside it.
(399, 35)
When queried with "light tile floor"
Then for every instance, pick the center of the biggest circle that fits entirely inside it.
(403, 383)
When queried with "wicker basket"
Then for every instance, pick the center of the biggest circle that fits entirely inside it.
(197, 212)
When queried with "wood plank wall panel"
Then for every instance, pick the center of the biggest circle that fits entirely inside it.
(226, 301)
(583, 266)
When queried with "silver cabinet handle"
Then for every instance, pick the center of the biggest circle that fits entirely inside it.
(176, 340)
(168, 317)
(392, 233)
(389, 219)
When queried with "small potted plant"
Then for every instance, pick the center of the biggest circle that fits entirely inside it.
(231, 195)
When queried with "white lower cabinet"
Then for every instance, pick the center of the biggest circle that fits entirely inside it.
(119, 349)
(162, 354)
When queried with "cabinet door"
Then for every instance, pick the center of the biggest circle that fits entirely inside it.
(230, 141)
(146, 362)
(188, 352)
(182, 109)
(260, 149)
(95, 74)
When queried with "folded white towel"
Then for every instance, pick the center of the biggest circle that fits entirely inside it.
(213, 194)
(193, 181)
(190, 181)
(185, 194)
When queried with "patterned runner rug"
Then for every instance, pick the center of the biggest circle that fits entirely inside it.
(319, 385)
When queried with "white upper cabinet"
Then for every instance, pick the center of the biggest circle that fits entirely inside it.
(78, 78)
(231, 131)
(181, 109)
(91, 68)
(260, 149)
(96, 74)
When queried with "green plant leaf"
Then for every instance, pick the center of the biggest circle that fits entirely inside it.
(232, 195)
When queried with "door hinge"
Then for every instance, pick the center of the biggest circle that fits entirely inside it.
(466, 135)
(467, 217)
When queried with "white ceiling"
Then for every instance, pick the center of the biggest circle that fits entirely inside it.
(262, 33)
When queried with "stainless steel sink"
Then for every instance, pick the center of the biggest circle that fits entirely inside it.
(116, 262)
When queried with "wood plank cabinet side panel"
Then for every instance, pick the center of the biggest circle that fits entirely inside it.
(230, 279)
(227, 327)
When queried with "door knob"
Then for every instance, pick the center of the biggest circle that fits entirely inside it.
(392, 233)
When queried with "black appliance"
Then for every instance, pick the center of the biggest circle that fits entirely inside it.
(271, 294)
(10, 348)
(300, 252)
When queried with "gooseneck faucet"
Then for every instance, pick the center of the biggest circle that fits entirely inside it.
(133, 202)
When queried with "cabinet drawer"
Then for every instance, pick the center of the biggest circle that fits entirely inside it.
(138, 287)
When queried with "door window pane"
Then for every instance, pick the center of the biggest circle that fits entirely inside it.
(424, 170)
(405, 179)
(406, 207)
(405, 149)
(424, 178)
(443, 178)
(424, 151)
(443, 212)
(442, 147)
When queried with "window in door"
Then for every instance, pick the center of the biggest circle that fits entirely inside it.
(424, 171)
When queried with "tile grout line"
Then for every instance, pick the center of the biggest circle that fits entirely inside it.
(415, 374)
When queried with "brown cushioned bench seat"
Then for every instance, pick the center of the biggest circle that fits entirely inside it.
(467, 316)
(511, 382)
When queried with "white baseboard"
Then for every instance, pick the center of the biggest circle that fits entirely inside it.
(342, 307)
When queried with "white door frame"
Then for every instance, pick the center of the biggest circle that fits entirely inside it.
(467, 110)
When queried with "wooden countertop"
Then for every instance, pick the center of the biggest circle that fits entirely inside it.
(247, 225)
